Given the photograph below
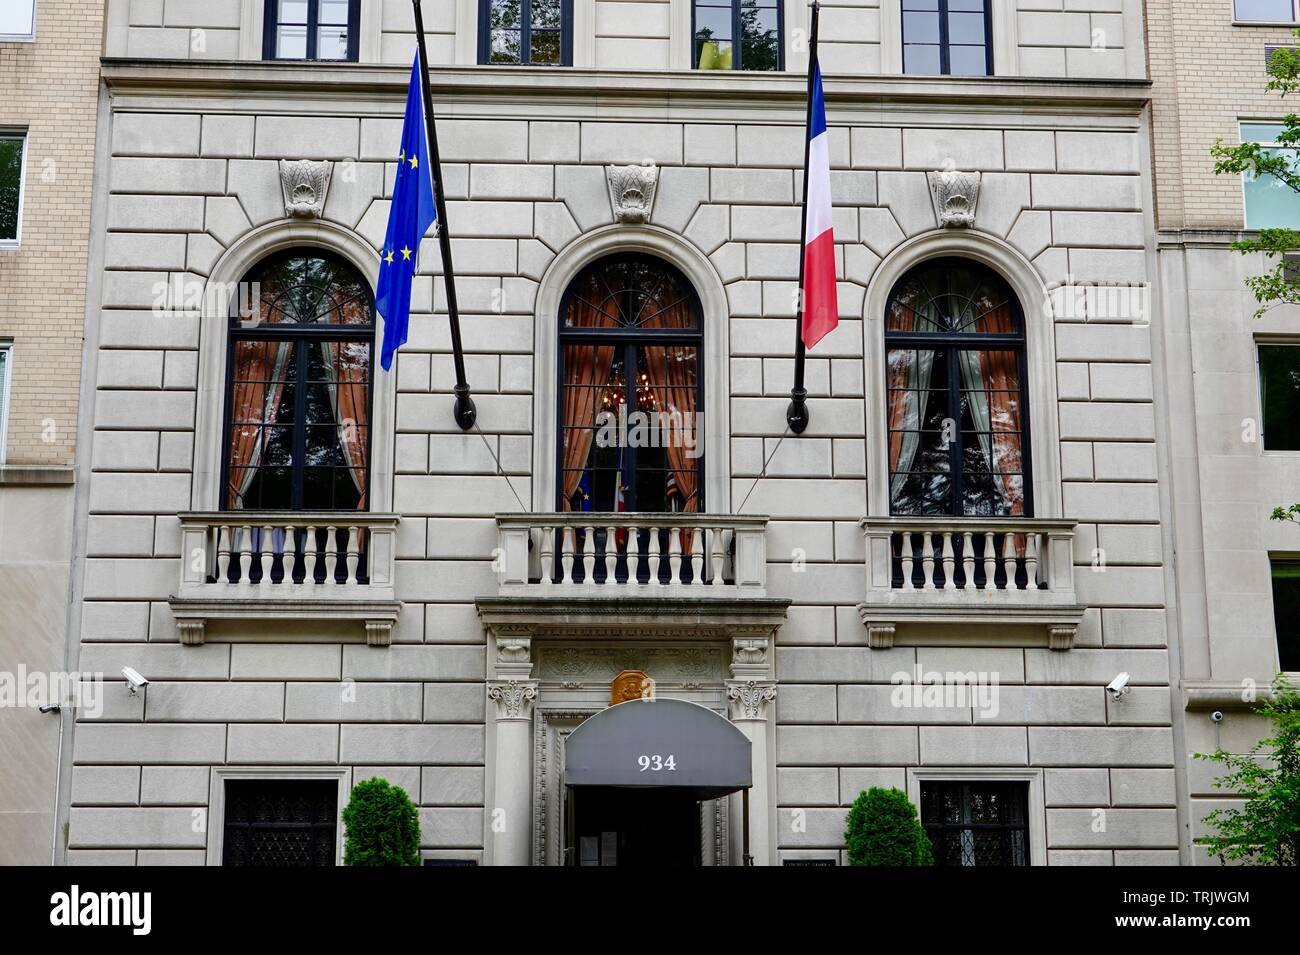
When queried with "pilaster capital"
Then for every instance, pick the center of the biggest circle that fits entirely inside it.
(749, 699)
(514, 698)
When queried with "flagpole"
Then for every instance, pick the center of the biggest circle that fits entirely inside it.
(465, 412)
(796, 415)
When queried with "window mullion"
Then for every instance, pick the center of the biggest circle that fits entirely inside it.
(313, 24)
(736, 45)
(525, 32)
(299, 466)
(945, 60)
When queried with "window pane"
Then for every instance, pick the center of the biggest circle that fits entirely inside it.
(1279, 386)
(17, 17)
(968, 61)
(505, 46)
(1277, 11)
(332, 43)
(506, 14)
(11, 174)
(546, 48)
(1270, 203)
(921, 60)
(291, 43)
(333, 12)
(292, 11)
(1286, 613)
(546, 14)
(966, 28)
(920, 27)
(760, 39)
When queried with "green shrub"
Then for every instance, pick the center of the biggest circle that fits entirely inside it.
(383, 826)
(883, 829)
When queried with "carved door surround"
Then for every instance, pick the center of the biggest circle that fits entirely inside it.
(550, 666)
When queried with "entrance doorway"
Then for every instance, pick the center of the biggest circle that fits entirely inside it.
(612, 826)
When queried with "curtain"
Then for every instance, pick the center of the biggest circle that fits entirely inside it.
(347, 365)
(671, 372)
(586, 368)
(1000, 373)
(909, 382)
(255, 399)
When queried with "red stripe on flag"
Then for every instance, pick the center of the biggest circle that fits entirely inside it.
(821, 312)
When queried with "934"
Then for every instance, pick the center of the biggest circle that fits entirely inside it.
(657, 763)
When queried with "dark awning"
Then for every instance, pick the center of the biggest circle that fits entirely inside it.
(660, 743)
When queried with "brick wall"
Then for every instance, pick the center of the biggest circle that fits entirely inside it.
(1207, 74)
(49, 88)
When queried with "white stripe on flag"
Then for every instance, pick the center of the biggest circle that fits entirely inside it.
(819, 187)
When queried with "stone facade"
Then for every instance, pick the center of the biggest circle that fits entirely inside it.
(1208, 75)
(49, 92)
(467, 692)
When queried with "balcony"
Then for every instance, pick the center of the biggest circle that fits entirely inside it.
(593, 554)
(1015, 575)
(624, 576)
(287, 565)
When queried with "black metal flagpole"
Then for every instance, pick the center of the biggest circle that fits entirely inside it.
(796, 415)
(465, 412)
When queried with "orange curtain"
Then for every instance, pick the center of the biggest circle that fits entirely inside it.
(255, 400)
(1001, 373)
(349, 365)
(586, 369)
(908, 377)
(671, 370)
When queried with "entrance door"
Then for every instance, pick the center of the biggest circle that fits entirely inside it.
(632, 827)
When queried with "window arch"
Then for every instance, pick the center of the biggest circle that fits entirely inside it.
(298, 401)
(956, 409)
(631, 389)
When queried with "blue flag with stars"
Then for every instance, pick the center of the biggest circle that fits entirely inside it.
(412, 212)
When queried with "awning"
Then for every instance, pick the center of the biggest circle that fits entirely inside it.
(660, 743)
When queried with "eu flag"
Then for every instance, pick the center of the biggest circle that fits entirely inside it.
(412, 212)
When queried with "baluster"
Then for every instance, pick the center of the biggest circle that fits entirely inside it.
(1031, 561)
(289, 559)
(331, 553)
(1009, 556)
(633, 556)
(675, 555)
(968, 560)
(654, 555)
(548, 557)
(927, 560)
(589, 555)
(717, 554)
(949, 562)
(245, 553)
(567, 546)
(309, 555)
(990, 562)
(611, 555)
(354, 554)
(223, 554)
(906, 558)
(268, 553)
(697, 555)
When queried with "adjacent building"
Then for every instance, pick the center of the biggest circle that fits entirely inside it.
(323, 578)
(1230, 377)
(49, 91)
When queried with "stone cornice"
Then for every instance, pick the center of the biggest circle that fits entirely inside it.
(1200, 238)
(463, 90)
(578, 617)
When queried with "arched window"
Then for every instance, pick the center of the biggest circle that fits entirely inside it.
(631, 388)
(957, 416)
(297, 423)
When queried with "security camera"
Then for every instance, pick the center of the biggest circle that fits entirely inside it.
(50, 708)
(1118, 686)
(1217, 716)
(133, 680)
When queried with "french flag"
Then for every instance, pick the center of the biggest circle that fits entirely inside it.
(821, 311)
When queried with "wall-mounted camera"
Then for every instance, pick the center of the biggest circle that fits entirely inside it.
(1217, 716)
(134, 681)
(1118, 687)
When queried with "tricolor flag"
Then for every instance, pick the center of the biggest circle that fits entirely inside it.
(412, 212)
(821, 311)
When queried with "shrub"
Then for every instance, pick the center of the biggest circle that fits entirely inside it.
(383, 826)
(883, 829)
